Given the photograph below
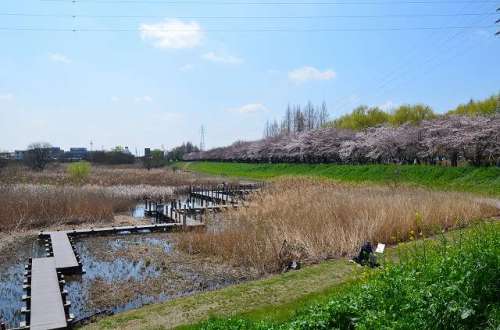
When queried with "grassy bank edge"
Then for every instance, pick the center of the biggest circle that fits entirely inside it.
(479, 180)
(275, 299)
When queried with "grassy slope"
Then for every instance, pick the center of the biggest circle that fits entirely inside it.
(274, 299)
(449, 281)
(483, 180)
(256, 299)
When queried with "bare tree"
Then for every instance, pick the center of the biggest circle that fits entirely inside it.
(323, 114)
(38, 155)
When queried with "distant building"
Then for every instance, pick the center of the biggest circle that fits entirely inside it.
(127, 151)
(19, 154)
(76, 154)
(55, 153)
(7, 155)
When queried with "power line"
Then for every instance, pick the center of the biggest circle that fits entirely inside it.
(412, 54)
(247, 17)
(280, 3)
(433, 61)
(422, 28)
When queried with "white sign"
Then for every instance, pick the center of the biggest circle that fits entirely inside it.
(380, 248)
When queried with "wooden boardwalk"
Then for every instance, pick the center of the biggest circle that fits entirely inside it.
(217, 196)
(62, 250)
(47, 308)
(59, 244)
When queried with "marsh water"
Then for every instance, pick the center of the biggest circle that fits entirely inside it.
(121, 272)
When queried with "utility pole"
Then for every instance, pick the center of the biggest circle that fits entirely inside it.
(202, 138)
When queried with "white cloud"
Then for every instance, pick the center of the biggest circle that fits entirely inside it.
(186, 67)
(143, 99)
(60, 58)
(308, 73)
(221, 58)
(250, 108)
(115, 99)
(172, 33)
(6, 97)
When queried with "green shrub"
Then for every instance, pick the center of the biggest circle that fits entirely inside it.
(79, 172)
(441, 284)
(486, 107)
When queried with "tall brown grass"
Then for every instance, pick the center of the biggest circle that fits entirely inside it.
(36, 206)
(57, 174)
(312, 220)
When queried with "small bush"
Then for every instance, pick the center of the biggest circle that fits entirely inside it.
(79, 172)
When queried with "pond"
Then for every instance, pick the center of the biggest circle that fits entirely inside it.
(122, 272)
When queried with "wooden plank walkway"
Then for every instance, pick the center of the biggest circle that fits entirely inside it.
(46, 301)
(61, 249)
(63, 253)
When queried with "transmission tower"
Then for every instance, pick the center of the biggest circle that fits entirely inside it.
(202, 138)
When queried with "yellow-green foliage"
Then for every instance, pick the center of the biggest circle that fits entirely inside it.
(412, 114)
(362, 117)
(80, 171)
(477, 108)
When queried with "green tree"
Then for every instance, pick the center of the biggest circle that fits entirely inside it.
(79, 172)
(412, 114)
(486, 107)
(157, 158)
(362, 117)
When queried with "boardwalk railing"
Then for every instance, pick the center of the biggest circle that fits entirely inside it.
(200, 200)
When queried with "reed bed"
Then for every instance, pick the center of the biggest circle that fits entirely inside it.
(312, 220)
(56, 174)
(37, 206)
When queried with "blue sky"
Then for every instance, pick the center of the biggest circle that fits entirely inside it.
(155, 78)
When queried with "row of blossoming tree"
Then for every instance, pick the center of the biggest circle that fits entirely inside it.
(450, 139)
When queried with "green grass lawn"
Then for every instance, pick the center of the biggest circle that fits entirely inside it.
(482, 180)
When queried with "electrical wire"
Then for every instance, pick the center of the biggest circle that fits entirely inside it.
(247, 17)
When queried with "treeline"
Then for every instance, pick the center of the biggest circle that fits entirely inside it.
(451, 140)
(178, 153)
(364, 117)
(298, 119)
(110, 157)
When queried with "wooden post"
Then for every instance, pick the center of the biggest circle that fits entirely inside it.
(184, 220)
(171, 210)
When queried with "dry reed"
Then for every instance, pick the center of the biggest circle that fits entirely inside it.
(312, 220)
(56, 174)
(36, 206)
